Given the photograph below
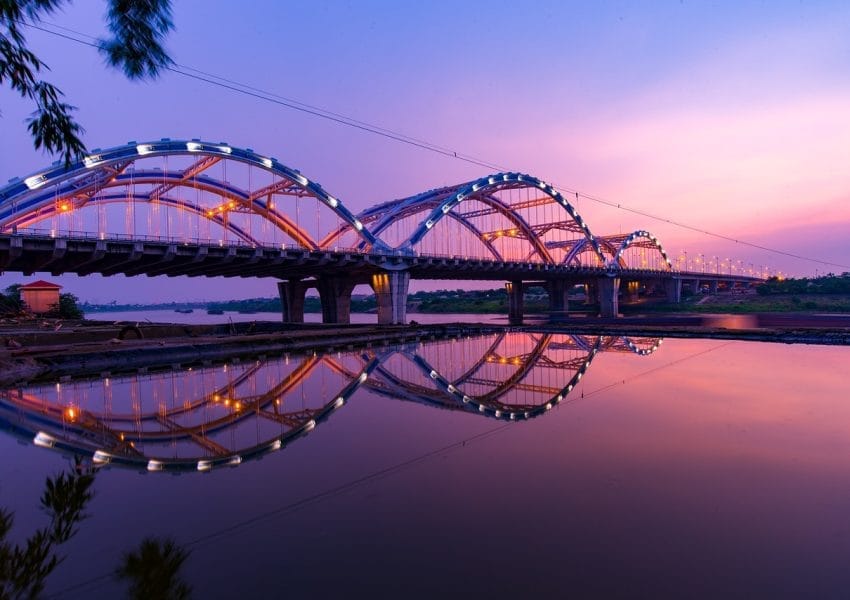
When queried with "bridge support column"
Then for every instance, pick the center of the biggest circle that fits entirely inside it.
(591, 292)
(695, 287)
(632, 288)
(515, 302)
(335, 294)
(292, 294)
(391, 294)
(609, 296)
(713, 288)
(673, 288)
(559, 308)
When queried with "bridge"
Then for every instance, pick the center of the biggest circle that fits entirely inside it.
(185, 419)
(195, 208)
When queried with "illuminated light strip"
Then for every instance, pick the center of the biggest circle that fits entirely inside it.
(101, 457)
(194, 146)
(35, 182)
(92, 161)
(44, 440)
(144, 149)
(155, 465)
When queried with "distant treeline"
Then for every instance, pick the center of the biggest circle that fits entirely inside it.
(440, 301)
(827, 284)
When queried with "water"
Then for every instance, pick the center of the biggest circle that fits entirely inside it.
(688, 468)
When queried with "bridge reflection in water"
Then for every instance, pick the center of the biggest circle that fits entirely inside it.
(201, 418)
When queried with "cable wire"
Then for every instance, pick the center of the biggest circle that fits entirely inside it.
(260, 94)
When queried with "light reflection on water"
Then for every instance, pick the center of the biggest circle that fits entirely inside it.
(703, 468)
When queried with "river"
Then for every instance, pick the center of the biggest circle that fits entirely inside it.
(508, 465)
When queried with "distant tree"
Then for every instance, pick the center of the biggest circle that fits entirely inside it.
(138, 28)
(10, 301)
(67, 308)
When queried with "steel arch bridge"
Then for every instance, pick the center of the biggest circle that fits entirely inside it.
(206, 418)
(196, 208)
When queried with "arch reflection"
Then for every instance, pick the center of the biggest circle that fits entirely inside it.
(202, 418)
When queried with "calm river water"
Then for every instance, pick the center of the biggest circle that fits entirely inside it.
(512, 465)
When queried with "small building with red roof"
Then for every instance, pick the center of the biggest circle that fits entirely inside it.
(40, 296)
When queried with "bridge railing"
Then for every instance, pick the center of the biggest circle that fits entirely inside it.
(199, 241)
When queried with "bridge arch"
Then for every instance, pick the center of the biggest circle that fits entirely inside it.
(638, 239)
(511, 216)
(57, 189)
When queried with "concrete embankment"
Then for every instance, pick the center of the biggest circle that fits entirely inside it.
(40, 350)
(99, 350)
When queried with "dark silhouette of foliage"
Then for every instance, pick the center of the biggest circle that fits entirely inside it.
(827, 284)
(138, 28)
(67, 308)
(153, 570)
(24, 569)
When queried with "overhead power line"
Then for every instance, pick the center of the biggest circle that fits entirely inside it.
(341, 119)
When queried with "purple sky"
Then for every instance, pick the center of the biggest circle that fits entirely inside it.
(731, 118)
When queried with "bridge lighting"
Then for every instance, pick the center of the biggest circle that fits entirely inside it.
(267, 162)
(71, 413)
(506, 177)
(44, 440)
(275, 445)
(358, 225)
(35, 182)
(143, 149)
(226, 149)
(309, 425)
(155, 465)
(101, 457)
(194, 146)
(363, 377)
(92, 161)
(452, 389)
(475, 187)
(548, 406)
(429, 224)
(236, 460)
(64, 207)
(466, 399)
(446, 208)
(498, 413)
(339, 402)
(491, 180)
(301, 179)
(204, 465)
(333, 202)
(481, 408)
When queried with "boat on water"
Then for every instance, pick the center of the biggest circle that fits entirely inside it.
(215, 311)
(184, 311)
